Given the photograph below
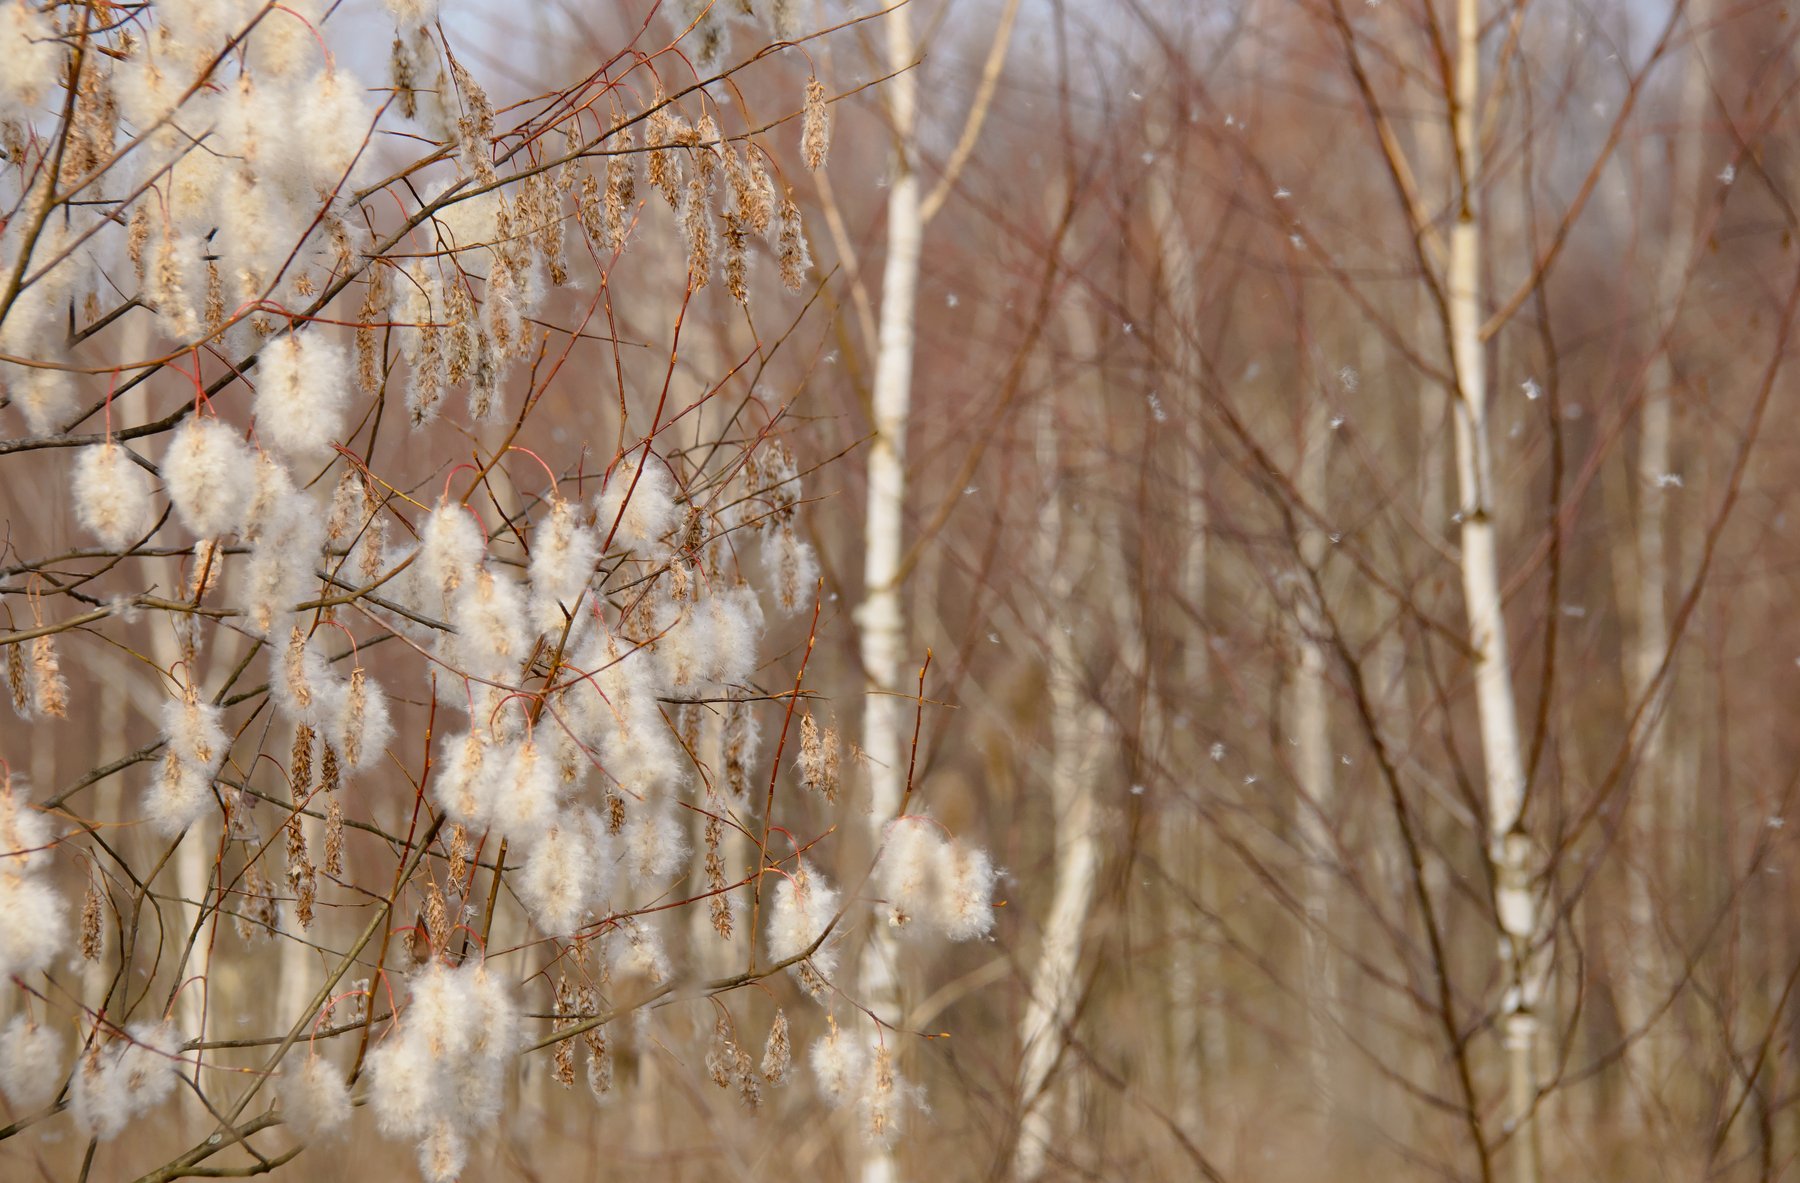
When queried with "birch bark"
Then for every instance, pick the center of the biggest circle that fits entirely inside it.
(1075, 734)
(1509, 847)
(880, 618)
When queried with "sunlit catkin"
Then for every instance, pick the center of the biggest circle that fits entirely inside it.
(778, 1054)
(49, 689)
(790, 249)
(815, 127)
(112, 495)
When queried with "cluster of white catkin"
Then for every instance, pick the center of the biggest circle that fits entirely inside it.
(33, 920)
(439, 1077)
(602, 647)
(124, 1077)
(932, 883)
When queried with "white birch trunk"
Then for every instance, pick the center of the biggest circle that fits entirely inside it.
(1197, 1034)
(1659, 811)
(1508, 845)
(1076, 731)
(194, 859)
(880, 618)
(1312, 737)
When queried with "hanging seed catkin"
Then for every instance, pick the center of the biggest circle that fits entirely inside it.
(815, 126)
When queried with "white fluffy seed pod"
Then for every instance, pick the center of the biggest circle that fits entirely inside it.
(489, 613)
(210, 476)
(965, 906)
(524, 805)
(566, 872)
(654, 845)
(280, 570)
(46, 396)
(360, 725)
(450, 549)
(562, 558)
(194, 733)
(444, 1065)
(129, 1077)
(638, 951)
(33, 57)
(687, 643)
(840, 1062)
(31, 1068)
(33, 925)
(644, 513)
(461, 779)
(443, 1154)
(913, 865)
(314, 1102)
(793, 569)
(402, 1085)
(26, 834)
(804, 904)
(178, 797)
(302, 391)
(274, 496)
(737, 623)
(112, 495)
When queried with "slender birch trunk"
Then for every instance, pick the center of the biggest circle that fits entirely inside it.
(1661, 810)
(1312, 735)
(194, 858)
(1075, 728)
(1508, 846)
(1197, 1035)
(880, 618)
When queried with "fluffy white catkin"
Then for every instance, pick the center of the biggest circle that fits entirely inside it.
(644, 513)
(302, 392)
(804, 904)
(563, 551)
(30, 1063)
(33, 923)
(314, 1101)
(112, 495)
(210, 475)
